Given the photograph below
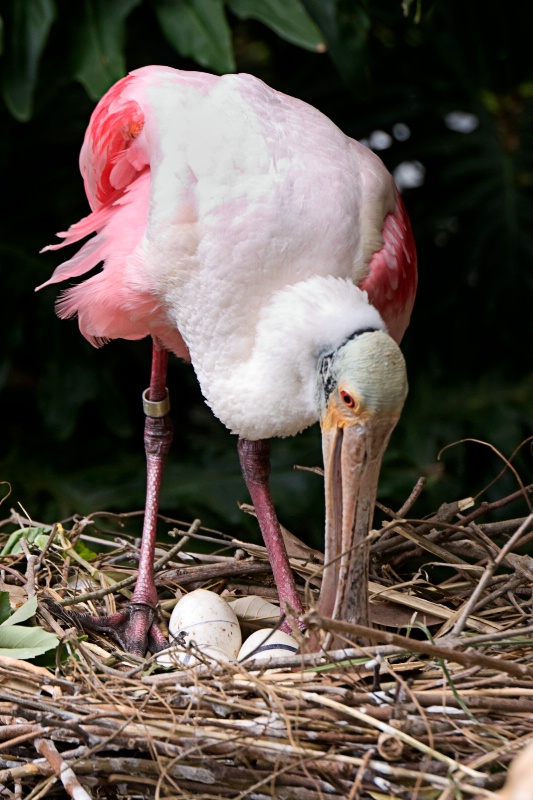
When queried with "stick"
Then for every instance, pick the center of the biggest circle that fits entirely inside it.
(518, 670)
(65, 773)
(487, 575)
(130, 580)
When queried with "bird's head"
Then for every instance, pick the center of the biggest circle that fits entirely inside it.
(362, 387)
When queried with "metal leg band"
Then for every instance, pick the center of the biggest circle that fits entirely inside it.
(156, 408)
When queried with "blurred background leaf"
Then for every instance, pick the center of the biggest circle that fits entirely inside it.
(346, 26)
(286, 17)
(441, 89)
(99, 43)
(198, 29)
(29, 29)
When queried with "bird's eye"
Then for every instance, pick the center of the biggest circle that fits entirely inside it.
(347, 399)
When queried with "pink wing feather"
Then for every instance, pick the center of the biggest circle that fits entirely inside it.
(115, 168)
(392, 279)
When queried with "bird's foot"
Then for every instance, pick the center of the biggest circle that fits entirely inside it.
(134, 628)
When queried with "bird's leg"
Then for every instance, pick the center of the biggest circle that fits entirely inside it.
(255, 464)
(135, 628)
(142, 631)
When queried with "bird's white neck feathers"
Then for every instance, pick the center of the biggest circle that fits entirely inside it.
(257, 237)
(272, 389)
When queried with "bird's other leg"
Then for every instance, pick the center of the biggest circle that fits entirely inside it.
(254, 457)
(135, 628)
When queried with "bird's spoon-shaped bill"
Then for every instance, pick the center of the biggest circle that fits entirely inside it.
(370, 386)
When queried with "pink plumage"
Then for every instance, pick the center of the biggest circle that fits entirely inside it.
(392, 276)
(243, 231)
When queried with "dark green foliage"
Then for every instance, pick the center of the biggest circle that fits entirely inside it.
(72, 420)
(30, 24)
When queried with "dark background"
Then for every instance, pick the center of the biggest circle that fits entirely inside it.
(72, 421)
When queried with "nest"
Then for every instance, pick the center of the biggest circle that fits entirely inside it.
(436, 711)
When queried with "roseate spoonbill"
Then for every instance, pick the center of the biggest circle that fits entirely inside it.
(244, 232)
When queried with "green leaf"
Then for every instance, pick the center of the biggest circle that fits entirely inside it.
(24, 44)
(5, 606)
(11, 543)
(287, 18)
(198, 29)
(36, 536)
(19, 641)
(85, 552)
(324, 13)
(24, 612)
(99, 44)
(345, 25)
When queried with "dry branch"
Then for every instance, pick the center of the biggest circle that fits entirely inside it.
(425, 714)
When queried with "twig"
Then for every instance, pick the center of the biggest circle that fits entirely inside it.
(397, 554)
(438, 551)
(442, 517)
(496, 504)
(402, 512)
(24, 737)
(354, 792)
(305, 726)
(497, 636)
(416, 491)
(313, 697)
(130, 580)
(31, 564)
(316, 622)
(510, 585)
(47, 544)
(487, 575)
(208, 572)
(65, 773)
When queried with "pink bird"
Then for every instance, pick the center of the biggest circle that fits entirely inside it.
(244, 232)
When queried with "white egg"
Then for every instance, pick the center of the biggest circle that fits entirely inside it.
(266, 644)
(203, 622)
(184, 659)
